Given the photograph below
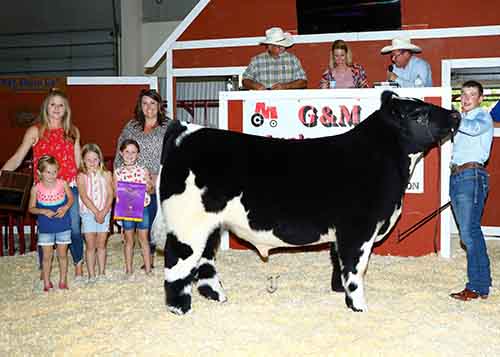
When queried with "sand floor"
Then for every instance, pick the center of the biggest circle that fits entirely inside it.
(409, 314)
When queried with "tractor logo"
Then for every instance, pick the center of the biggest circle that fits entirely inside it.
(263, 112)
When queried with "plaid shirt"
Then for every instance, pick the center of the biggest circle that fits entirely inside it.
(268, 70)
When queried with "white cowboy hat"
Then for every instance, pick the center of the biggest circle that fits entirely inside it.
(276, 36)
(401, 44)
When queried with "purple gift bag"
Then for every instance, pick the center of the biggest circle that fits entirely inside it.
(129, 204)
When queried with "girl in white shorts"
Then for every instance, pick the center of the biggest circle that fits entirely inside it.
(95, 185)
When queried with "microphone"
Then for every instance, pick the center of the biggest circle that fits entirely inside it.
(390, 67)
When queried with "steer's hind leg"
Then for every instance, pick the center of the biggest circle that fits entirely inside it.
(336, 274)
(354, 261)
(180, 269)
(209, 284)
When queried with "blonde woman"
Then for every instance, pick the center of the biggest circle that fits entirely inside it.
(95, 185)
(55, 135)
(342, 72)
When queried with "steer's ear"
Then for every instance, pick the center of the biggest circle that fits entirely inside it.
(387, 106)
(387, 96)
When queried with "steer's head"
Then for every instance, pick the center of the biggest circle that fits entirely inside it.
(421, 124)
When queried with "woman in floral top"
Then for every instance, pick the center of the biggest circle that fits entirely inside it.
(148, 129)
(342, 73)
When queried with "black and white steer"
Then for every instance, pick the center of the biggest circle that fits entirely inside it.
(287, 193)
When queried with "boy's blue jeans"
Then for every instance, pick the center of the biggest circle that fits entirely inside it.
(468, 191)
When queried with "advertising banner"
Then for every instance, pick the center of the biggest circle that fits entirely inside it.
(289, 118)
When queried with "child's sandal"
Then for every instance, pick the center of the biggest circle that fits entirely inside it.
(63, 286)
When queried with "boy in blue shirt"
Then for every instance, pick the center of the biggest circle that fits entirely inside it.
(469, 185)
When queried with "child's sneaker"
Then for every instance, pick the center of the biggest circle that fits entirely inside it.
(101, 278)
(38, 286)
(79, 280)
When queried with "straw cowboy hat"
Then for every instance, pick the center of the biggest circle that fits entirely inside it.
(276, 36)
(401, 44)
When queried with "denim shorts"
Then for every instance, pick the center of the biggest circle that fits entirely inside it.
(144, 224)
(89, 224)
(54, 238)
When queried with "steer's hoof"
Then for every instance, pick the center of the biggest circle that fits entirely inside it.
(360, 307)
(178, 311)
(212, 294)
(179, 305)
(337, 287)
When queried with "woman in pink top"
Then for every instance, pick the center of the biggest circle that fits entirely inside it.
(55, 135)
(342, 72)
(95, 185)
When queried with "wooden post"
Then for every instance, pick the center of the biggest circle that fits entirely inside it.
(32, 233)
(10, 237)
(20, 234)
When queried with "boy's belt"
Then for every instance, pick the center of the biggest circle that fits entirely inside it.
(455, 169)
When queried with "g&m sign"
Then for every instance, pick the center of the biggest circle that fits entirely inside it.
(311, 118)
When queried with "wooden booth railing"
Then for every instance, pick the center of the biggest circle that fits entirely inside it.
(191, 105)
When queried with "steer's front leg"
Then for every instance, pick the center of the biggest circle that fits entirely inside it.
(354, 263)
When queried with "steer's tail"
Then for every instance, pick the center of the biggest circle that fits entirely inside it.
(174, 130)
(159, 228)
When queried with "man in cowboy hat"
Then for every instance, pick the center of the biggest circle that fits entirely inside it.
(406, 69)
(275, 68)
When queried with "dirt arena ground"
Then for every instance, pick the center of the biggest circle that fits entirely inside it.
(410, 313)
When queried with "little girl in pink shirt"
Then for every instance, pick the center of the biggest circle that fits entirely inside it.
(130, 171)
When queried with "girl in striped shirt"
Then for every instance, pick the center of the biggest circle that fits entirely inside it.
(95, 185)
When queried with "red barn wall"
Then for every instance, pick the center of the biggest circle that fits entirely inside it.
(229, 18)
(233, 19)
(99, 111)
